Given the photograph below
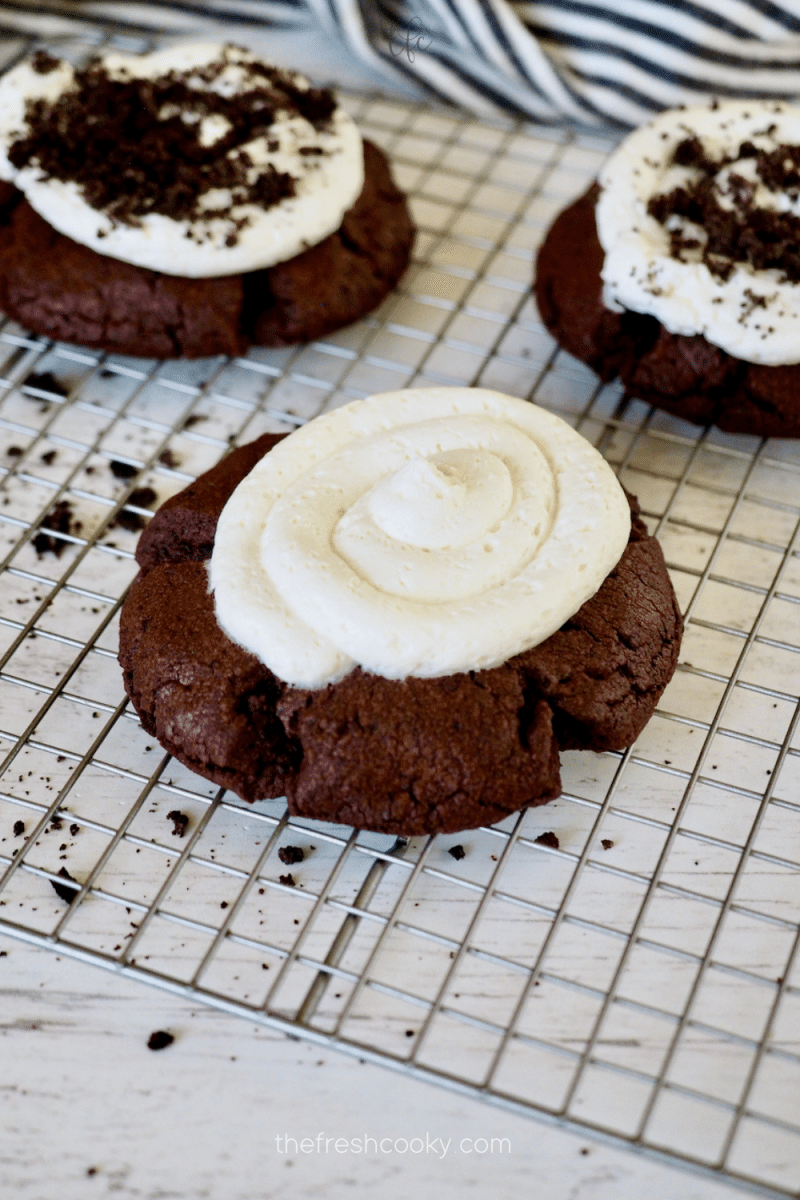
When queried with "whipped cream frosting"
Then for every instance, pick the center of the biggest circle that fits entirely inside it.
(319, 162)
(751, 313)
(422, 532)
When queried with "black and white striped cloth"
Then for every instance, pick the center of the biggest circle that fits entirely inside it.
(582, 61)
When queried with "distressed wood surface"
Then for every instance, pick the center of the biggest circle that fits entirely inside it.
(88, 1111)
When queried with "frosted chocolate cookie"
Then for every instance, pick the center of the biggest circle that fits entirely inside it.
(400, 613)
(189, 202)
(680, 271)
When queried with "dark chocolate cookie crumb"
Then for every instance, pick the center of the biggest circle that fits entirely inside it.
(64, 891)
(457, 851)
(14, 451)
(19, 828)
(74, 829)
(286, 880)
(180, 822)
(61, 519)
(160, 1040)
(46, 382)
(606, 843)
(49, 457)
(122, 470)
(43, 63)
(291, 854)
(168, 458)
(142, 497)
(547, 839)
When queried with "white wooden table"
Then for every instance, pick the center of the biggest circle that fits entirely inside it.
(199, 1120)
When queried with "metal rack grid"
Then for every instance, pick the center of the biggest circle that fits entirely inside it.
(639, 982)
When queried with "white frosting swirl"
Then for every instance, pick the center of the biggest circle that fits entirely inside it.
(422, 532)
(753, 314)
(329, 175)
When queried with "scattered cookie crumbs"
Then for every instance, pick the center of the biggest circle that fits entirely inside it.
(122, 470)
(606, 843)
(160, 1040)
(180, 822)
(457, 851)
(65, 892)
(46, 382)
(548, 838)
(223, 904)
(19, 828)
(15, 451)
(286, 880)
(409, 1033)
(291, 854)
(61, 519)
(49, 457)
(74, 829)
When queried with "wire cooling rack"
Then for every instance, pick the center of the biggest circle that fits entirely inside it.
(641, 980)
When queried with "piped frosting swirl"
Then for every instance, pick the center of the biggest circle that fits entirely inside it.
(422, 532)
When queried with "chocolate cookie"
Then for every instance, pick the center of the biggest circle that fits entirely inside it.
(409, 756)
(60, 289)
(687, 376)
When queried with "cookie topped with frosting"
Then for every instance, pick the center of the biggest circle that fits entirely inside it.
(699, 218)
(187, 203)
(679, 270)
(451, 736)
(199, 160)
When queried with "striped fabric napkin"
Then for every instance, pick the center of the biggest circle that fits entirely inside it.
(580, 61)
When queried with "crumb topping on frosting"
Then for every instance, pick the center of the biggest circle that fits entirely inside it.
(143, 145)
(196, 160)
(732, 226)
(699, 218)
